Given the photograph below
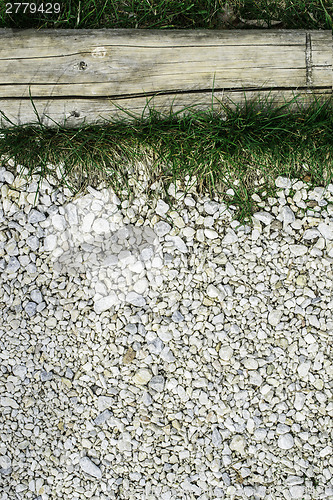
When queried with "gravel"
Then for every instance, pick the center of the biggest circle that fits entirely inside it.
(154, 351)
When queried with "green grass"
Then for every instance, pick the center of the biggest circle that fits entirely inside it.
(254, 141)
(167, 14)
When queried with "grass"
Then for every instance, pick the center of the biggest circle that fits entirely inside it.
(167, 14)
(244, 151)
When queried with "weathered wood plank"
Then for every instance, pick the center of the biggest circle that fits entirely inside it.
(60, 67)
(72, 113)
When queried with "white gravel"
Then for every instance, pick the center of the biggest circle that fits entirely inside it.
(150, 351)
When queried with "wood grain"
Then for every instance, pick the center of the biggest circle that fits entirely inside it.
(79, 75)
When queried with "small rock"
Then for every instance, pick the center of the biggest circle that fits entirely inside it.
(161, 208)
(58, 222)
(5, 462)
(326, 230)
(141, 286)
(311, 234)
(8, 402)
(177, 317)
(34, 216)
(157, 383)
(230, 238)
(162, 228)
(50, 242)
(102, 417)
(285, 442)
(274, 317)
(288, 215)
(216, 438)
(105, 303)
(296, 492)
(213, 291)
(90, 468)
(36, 296)
(250, 363)
(178, 242)
(211, 234)
(20, 371)
(298, 250)
(30, 308)
(226, 353)
(211, 207)
(104, 402)
(101, 226)
(13, 265)
(33, 242)
(142, 377)
(147, 399)
(283, 182)
(128, 356)
(135, 299)
(46, 376)
(264, 217)
(238, 443)
(71, 213)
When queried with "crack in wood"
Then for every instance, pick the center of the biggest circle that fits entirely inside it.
(170, 92)
(308, 60)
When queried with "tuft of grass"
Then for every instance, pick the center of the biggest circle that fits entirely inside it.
(245, 150)
(168, 14)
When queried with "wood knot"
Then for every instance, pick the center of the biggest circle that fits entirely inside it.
(82, 65)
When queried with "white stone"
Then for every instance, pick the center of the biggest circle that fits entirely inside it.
(296, 492)
(50, 242)
(101, 226)
(298, 250)
(250, 363)
(303, 369)
(230, 238)
(299, 400)
(141, 286)
(230, 270)
(211, 234)
(326, 230)
(106, 303)
(274, 317)
(216, 438)
(87, 221)
(238, 444)
(5, 462)
(135, 299)
(212, 291)
(285, 441)
(142, 377)
(264, 217)
(157, 383)
(8, 402)
(178, 242)
(104, 402)
(211, 207)
(162, 228)
(287, 215)
(58, 222)
(188, 232)
(71, 213)
(90, 468)
(311, 234)
(20, 371)
(161, 208)
(283, 182)
(226, 352)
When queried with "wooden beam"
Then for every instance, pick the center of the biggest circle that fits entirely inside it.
(76, 76)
